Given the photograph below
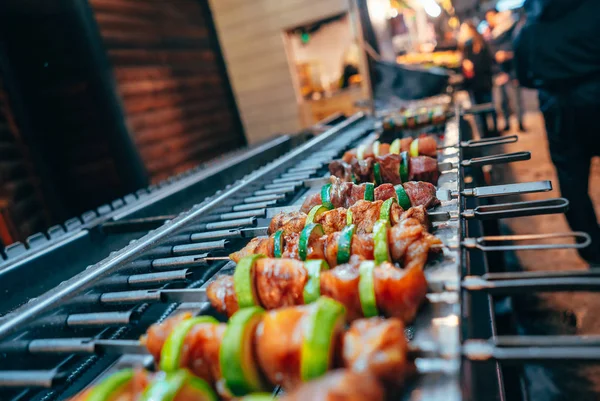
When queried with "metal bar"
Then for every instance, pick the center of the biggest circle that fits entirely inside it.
(276, 191)
(99, 319)
(481, 351)
(252, 206)
(138, 280)
(310, 167)
(242, 214)
(477, 243)
(191, 261)
(196, 247)
(135, 225)
(496, 159)
(222, 234)
(219, 225)
(264, 198)
(30, 378)
(165, 296)
(519, 286)
(546, 341)
(296, 176)
(509, 189)
(517, 209)
(285, 184)
(541, 274)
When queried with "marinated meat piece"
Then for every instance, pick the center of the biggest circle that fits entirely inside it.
(291, 222)
(384, 192)
(427, 146)
(416, 212)
(290, 246)
(340, 191)
(331, 249)
(365, 214)
(332, 220)
(279, 282)
(399, 292)
(357, 193)
(363, 169)
(341, 284)
(402, 235)
(157, 334)
(378, 347)
(221, 294)
(339, 385)
(417, 253)
(421, 193)
(251, 248)
(278, 344)
(200, 351)
(390, 168)
(362, 246)
(423, 168)
(341, 169)
(310, 202)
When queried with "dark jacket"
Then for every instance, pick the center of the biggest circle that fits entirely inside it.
(504, 41)
(557, 49)
(482, 64)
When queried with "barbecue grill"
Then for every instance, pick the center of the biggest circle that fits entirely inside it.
(82, 323)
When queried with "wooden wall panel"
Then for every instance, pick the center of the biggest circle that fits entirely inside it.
(173, 88)
(251, 36)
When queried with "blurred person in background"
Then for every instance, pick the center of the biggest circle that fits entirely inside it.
(557, 51)
(500, 36)
(477, 69)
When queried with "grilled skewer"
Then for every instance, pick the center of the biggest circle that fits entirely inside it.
(339, 193)
(422, 146)
(364, 289)
(407, 242)
(285, 346)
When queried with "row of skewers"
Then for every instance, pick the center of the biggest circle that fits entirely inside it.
(290, 298)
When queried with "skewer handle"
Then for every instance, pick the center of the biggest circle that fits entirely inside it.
(482, 351)
(496, 159)
(582, 240)
(518, 209)
(508, 189)
(472, 283)
(541, 274)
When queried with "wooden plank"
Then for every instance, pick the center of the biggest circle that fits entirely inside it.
(142, 104)
(169, 114)
(164, 57)
(177, 128)
(156, 86)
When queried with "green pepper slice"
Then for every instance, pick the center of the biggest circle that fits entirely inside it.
(315, 212)
(377, 174)
(312, 288)
(380, 239)
(369, 192)
(326, 196)
(366, 289)
(238, 365)
(349, 217)
(317, 344)
(278, 243)
(345, 244)
(307, 233)
(404, 165)
(385, 212)
(403, 199)
(243, 282)
(170, 355)
(395, 147)
(167, 389)
(110, 386)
